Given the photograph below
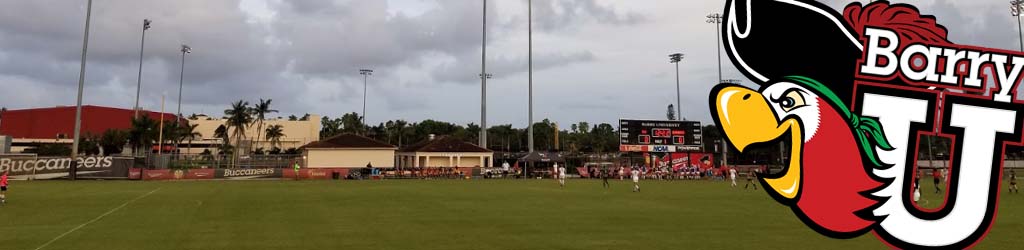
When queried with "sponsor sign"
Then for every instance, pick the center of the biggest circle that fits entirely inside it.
(200, 174)
(135, 174)
(703, 161)
(157, 174)
(22, 167)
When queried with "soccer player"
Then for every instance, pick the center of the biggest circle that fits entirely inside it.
(561, 175)
(296, 171)
(936, 178)
(604, 177)
(750, 180)
(1013, 182)
(636, 179)
(732, 176)
(917, 186)
(3, 188)
(620, 172)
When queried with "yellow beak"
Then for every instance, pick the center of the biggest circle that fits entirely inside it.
(747, 119)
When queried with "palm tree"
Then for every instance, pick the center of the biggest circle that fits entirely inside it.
(239, 116)
(222, 133)
(274, 134)
(189, 133)
(172, 134)
(142, 133)
(260, 111)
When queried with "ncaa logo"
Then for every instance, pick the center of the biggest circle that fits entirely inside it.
(853, 93)
(659, 148)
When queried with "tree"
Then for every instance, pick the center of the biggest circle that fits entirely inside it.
(378, 132)
(112, 141)
(52, 150)
(260, 111)
(671, 114)
(304, 117)
(221, 133)
(89, 144)
(329, 127)
(239, 116)
(293, 118)
(142, 133)
(188, 132)
(274, 134)
(172, 133)
(353, 123)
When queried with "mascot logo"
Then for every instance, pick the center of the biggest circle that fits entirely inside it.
(852, 94)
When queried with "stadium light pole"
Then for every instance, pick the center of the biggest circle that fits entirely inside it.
(483, 109)
(1015, 8)
(676, 58)
(366, 74)
(716, 19)
(483, 81)
(185, 49)
(142, 48)
(73, 170)
(529, 18)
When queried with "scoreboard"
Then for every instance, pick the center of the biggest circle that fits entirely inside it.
(659, 136)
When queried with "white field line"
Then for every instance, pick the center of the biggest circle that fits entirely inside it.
(97, 218)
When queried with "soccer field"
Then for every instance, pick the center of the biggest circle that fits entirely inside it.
(420, 214)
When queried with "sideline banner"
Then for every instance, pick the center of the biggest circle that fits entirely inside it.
(250, 173)
(40, 168)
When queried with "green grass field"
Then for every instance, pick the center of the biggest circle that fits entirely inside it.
(417, 214)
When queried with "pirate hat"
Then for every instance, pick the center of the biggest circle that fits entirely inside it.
(770, 40)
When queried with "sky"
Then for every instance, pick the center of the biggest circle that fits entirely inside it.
(593, 60)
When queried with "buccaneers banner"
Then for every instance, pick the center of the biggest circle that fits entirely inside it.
(249, 173)
(25, 167)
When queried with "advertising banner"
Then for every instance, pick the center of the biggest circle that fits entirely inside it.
(157, 174)
(704, 161)
(250, 173)
(24, 167)
(199, 174)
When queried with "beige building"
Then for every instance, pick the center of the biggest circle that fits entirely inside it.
(444, 152)
(296, 134)
(349, 151)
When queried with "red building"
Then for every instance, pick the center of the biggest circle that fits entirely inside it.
(59, 122)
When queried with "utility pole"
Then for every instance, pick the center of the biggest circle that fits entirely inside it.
(73, 171)
(142, 48)
(483, 82)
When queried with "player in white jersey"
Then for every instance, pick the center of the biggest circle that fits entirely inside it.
(732, 176)
(636, 180)
(561, 175)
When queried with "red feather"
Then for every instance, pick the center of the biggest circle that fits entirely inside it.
(905, 20)
(833, 176)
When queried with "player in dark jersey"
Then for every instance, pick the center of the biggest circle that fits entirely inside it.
(604, 178)
(750, 180)
(1013, 182)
